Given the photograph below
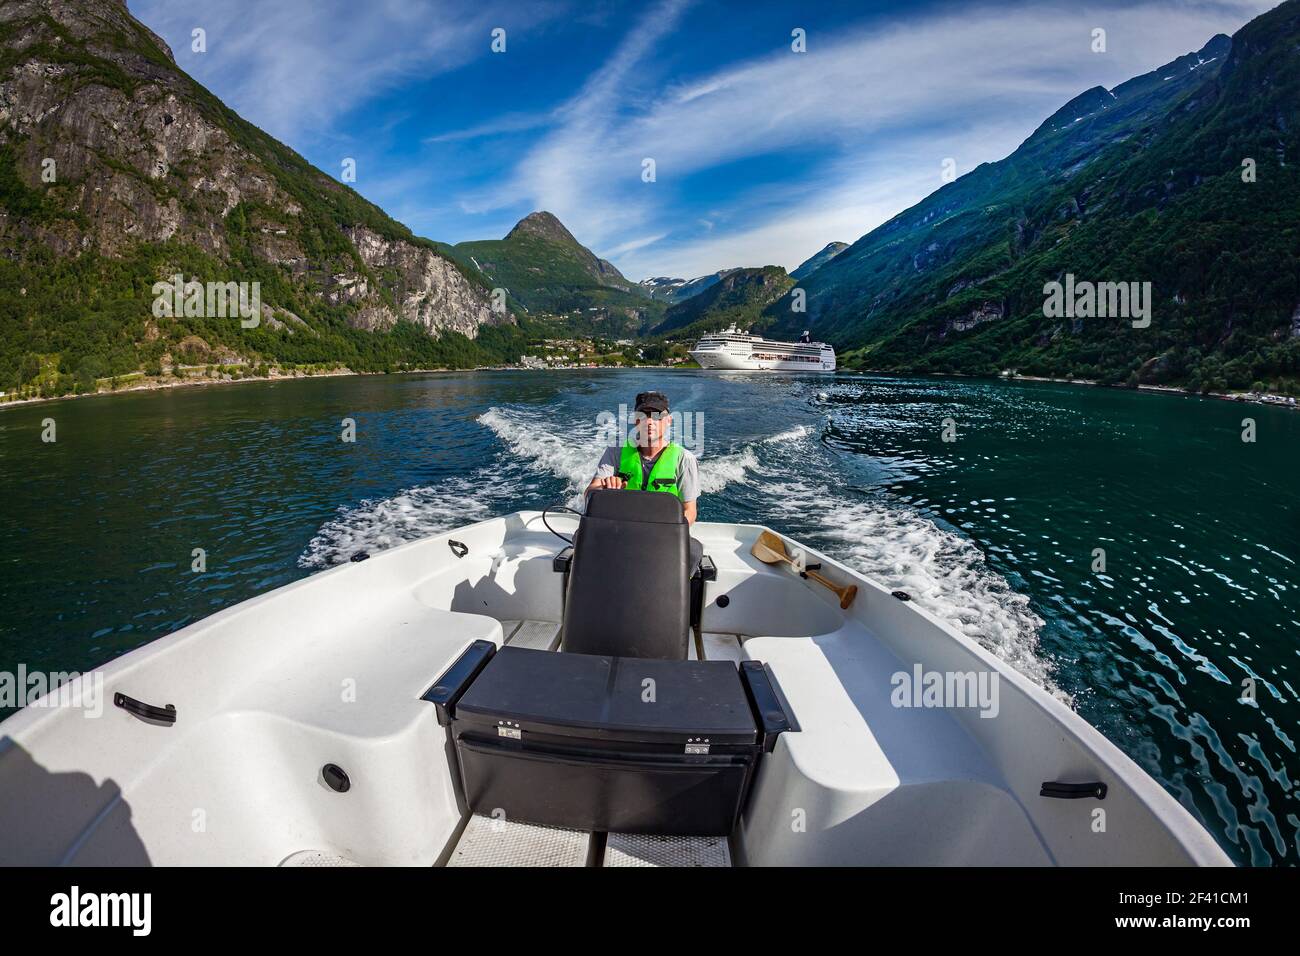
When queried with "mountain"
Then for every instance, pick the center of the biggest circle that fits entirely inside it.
(673, 291)
(661, 287)
(809, 266)
(117, 171)
(739, 296)
(1185, 177)
(547, 270)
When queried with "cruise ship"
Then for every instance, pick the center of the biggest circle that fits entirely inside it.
(737, 350)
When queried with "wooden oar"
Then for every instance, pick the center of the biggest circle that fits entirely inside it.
(770, 549)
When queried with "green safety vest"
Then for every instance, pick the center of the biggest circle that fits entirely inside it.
(662, 477)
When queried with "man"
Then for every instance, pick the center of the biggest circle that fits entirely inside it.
(648, 461)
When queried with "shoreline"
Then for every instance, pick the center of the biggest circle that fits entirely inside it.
(197, 382)
(1273, 399)
(204, 381)
(1270, 399)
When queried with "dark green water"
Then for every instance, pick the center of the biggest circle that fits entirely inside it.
(995, 531)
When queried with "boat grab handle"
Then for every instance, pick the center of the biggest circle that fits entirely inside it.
(458, 548)
(1073, 791)
(164, 715)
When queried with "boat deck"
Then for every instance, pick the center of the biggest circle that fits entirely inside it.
(495, 842)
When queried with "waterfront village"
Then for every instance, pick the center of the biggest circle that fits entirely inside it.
(596, 352)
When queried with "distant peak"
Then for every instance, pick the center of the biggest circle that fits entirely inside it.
(543, 225)
(1218, 44)
(827, 253)
(1085, 104)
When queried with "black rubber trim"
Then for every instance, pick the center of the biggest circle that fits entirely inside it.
(146, 712)
(769, 707)
(455, 680)
(1073, 791)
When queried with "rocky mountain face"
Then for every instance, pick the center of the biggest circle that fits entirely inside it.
(739, 296)
(118, 170)
(547, 270)
(1187, 178)
(811, 265)
(425, 287)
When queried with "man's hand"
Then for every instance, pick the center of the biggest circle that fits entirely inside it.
(613, 481)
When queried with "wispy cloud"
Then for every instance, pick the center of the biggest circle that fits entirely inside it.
(294, 68)
(895, 98)
(553, 170)
(632, 244)
(760, 158)
(509, 123)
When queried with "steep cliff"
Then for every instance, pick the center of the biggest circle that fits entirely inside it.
(118, 170)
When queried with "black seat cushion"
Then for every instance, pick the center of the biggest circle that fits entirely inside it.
(629, 590)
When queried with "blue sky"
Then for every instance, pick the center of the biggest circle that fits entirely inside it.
(762, 155)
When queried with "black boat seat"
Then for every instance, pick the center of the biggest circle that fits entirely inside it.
(628, 590)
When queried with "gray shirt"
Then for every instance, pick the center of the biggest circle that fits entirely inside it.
(688, 470)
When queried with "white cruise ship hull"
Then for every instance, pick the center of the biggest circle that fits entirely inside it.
(731, 361)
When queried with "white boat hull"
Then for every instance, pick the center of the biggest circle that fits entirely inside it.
(331, 669)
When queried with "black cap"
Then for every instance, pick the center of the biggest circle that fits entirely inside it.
(652, 402)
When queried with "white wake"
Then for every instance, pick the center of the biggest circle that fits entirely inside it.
(942, 571)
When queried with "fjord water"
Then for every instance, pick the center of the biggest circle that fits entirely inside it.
(996, 531)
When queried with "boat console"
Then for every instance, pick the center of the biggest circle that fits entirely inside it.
(619, 732)
(599, 743)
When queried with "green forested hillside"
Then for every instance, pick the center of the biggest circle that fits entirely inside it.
(547, 270)
(119, 170)
(1143, 183)
(813, 263)
(68, 322)
(739, 297)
